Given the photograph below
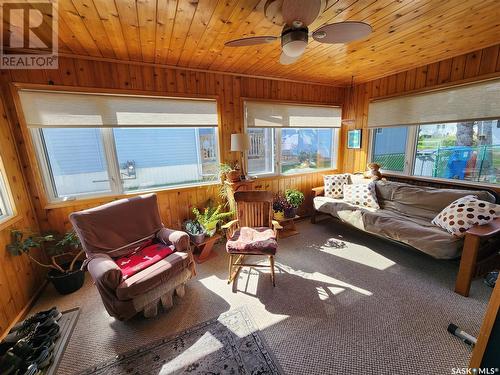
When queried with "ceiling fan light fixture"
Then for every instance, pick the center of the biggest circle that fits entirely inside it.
(294, 42)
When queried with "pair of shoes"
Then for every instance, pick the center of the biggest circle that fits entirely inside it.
(42, 322)
(39, 317)
(29, 349)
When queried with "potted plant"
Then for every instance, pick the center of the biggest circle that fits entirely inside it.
(280, 205)
(295, 198)
(195, 230)
(211, 217)
(64, 253)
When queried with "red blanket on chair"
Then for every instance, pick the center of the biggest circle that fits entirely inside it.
(148, 254)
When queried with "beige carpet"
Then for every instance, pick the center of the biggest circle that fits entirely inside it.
(369, 308)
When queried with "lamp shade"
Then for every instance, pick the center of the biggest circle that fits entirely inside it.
(240, 142)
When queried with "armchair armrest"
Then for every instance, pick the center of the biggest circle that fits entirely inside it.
(486, 230)
(230, 228)
(318, 191)
(105, 272)
(276, 227)
(174, 237)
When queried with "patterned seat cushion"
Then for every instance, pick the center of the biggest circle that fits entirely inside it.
(149, 254)
(256, 241)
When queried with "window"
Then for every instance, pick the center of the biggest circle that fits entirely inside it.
(5, 204)
(450, 148)
(93, 144)
(467, 150)
(389, 148)
(289, 139)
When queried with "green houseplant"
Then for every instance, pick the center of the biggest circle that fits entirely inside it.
(63, 251)
(211, 217)
(295, 198)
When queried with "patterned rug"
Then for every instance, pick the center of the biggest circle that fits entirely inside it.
(229, 344)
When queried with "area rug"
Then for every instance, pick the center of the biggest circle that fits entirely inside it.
(229, 344)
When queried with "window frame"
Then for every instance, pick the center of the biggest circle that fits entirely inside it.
(116, 188)
(277, 140)
(411, 153)
(6, 198)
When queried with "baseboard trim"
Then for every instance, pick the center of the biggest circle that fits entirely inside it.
(24, 310)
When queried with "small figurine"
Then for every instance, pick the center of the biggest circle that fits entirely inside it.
(373, 172)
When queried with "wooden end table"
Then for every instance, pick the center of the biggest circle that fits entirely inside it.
(204, 249)
(289, 228)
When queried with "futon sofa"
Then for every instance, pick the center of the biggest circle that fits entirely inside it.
(405, 216)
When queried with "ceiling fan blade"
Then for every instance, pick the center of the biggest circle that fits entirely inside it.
(251, 41)
(342, 32)
(272, 11)
(287, 60)
(304, 11)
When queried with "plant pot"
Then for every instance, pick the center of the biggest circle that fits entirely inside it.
(291, 212)
(234, 175)
(278, 215)
(66, 283)
(197, 238)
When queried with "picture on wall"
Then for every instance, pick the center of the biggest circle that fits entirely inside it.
(354, 138)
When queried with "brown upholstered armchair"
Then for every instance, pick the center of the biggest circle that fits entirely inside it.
(131, 230)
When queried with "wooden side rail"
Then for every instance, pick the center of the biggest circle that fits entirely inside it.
(468, 262)
(316, 192)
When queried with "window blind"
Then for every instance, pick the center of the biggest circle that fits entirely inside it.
(477, 101)
(272, 115)
(69, 109)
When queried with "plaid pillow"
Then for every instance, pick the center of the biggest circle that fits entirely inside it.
(334, 184)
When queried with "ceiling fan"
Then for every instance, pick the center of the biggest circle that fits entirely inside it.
(297, 15)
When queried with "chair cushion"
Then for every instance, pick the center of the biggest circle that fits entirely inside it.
(256, 241)
(147, 255)
(153, 276)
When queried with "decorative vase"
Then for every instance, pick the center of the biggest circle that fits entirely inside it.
(290, 212)
(278, 215)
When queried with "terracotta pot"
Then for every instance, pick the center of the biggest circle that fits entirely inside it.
(233, 176)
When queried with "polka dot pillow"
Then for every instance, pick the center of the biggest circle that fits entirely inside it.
(464, 213)
(334, 184)
(361, 195)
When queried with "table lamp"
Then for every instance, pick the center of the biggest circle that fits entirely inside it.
(240, 142)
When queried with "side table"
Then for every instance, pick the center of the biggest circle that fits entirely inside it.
(289, 228)
(204, 249)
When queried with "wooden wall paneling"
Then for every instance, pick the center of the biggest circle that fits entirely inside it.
(20, 279)
(477, 65)
(229, 89)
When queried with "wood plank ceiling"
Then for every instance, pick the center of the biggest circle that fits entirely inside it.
(191, 33)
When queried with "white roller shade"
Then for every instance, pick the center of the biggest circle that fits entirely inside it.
(69, 109)
(468, 102)
(271, 115)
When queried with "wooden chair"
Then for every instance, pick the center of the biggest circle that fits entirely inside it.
(254, 232)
